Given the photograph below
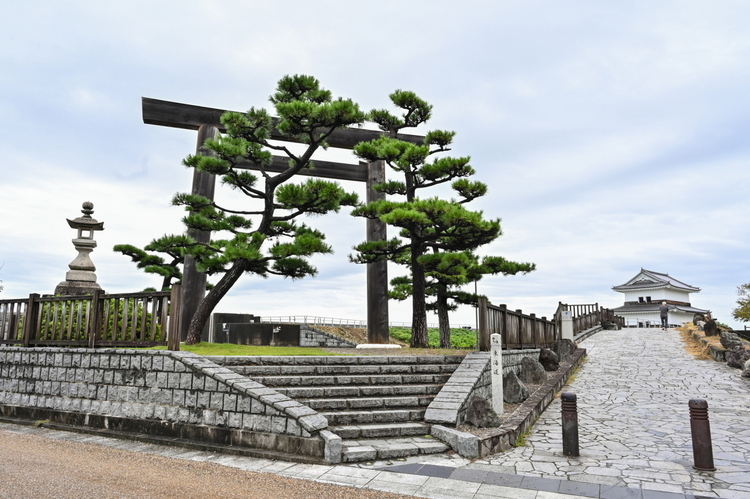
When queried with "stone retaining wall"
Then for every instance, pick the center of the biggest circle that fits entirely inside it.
(718, 352)
(180, 394)
(471, 446)
(471, 379)
(313, 337)
(512, 359)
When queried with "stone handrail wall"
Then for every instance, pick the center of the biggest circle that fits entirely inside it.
(472, 378)
(503, 438)
(167, 389)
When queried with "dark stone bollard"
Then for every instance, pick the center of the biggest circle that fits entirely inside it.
(569, 424)
(703, 454)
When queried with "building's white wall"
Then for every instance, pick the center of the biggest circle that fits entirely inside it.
(675, 317)
(671, 294)
(658, 295)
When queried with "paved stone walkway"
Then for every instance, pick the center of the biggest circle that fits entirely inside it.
(434, 482)
(634, 423)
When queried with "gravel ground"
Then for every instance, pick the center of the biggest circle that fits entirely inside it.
(40, 468)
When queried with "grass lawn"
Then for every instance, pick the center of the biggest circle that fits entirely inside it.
(231, 349)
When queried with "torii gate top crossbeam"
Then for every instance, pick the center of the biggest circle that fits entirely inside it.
(177, 115)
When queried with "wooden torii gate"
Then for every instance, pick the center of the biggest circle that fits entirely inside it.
(208, 124)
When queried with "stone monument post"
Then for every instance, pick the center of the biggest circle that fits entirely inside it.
(81, 279)
(566, 325)
(496, 370)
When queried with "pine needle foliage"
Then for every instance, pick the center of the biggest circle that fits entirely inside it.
(150, 259)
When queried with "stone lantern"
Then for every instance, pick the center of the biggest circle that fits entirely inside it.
(81, 279)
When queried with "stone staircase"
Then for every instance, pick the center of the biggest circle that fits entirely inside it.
(376, 404)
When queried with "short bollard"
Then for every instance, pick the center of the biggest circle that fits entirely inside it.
(569, 424)
(700, 428)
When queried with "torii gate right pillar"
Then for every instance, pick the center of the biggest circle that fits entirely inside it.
(377, 273)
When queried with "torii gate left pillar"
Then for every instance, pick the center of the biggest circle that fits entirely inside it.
(194, 282)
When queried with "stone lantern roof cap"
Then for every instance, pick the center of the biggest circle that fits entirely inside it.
(86, 221)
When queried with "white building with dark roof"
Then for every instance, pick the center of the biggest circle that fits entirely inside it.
(644, 294)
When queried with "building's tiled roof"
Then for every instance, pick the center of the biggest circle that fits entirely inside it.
(648, 279)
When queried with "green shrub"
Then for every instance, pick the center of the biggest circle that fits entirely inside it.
(460, 338)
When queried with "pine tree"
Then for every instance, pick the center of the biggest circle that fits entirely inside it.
(446, 273)
(423, 222)
(439, 235)
(265, 238)
(150, 261)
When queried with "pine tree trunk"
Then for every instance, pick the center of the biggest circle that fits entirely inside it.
(443, 320)
(419, 337)
(207, 305)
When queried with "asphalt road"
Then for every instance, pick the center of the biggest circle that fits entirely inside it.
(34, 467)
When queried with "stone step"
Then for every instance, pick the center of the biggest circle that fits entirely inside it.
(334, 360)
(379, 379)
(373, 449)
(318, 392)
(355, 432)
(324, 370)
(340, 418)
(344, 404)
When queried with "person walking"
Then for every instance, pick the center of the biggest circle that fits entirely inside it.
(664, 315)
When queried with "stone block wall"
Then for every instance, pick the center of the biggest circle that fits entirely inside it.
(160, 388)
(471, 379)
(313, 337)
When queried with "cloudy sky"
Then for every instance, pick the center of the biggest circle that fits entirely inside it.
(613, 135)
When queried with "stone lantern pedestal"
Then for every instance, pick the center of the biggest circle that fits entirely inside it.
(81, 278)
